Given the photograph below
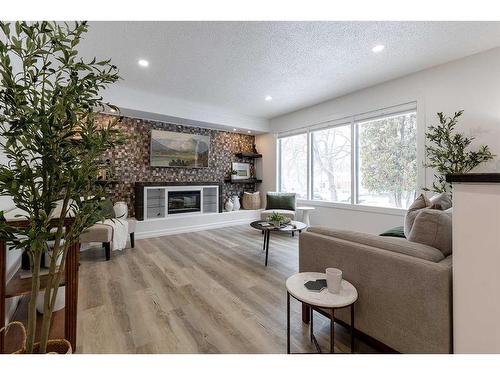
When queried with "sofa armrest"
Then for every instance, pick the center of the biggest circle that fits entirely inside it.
(404, 302)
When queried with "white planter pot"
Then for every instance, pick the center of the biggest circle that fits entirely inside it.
(48, 258)
(60, 300)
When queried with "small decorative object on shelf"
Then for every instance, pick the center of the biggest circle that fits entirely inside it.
(251, 201)
(254, 149)
(228, 206)
(240, 171)
(236, 203)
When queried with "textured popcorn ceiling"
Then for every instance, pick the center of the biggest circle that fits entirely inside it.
(234, 65)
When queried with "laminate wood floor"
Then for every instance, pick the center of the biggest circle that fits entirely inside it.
(200, 292)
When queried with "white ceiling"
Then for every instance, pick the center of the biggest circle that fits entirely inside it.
(234, 65)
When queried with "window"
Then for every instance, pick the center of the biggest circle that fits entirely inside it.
(331, 164)
(369, 160)
(293, 164)
(387, 161)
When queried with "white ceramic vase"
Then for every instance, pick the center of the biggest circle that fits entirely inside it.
(228, 206)
(121, 210)
(333, 279)
(236, 203)
(60, 300)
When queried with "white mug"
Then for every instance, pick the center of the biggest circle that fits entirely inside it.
(333, 279)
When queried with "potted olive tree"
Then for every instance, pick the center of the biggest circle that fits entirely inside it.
(448, 152)
(49, 97)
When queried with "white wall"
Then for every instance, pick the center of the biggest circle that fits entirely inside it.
(163, 108)
(266, 145)
(471, 84)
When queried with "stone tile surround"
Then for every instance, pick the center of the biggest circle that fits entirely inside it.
(130, 161)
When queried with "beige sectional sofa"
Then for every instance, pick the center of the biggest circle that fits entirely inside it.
(404, 287)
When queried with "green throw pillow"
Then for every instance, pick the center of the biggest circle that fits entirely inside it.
(280, 201)
(394, 232)
(107, 209)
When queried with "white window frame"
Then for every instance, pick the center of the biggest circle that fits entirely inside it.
(353, 121)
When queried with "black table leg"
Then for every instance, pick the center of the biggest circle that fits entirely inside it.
(287, 322)
(332, 323)
(313, 338)
(267, 244)
(311, 323)
(352, 328)
(265, 237)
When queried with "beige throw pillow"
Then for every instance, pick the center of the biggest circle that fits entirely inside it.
(420, 203)
(433, 228)
(441, 201)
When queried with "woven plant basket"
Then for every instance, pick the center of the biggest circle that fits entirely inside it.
(55, 346)
(251, 201)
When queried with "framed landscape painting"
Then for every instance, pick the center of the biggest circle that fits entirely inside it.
(173, 149)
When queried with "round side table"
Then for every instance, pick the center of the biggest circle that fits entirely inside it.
(323, 299)
(305, 213)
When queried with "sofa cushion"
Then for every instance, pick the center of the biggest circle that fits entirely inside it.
(396, 245)
(264, 215)
(433, 228)
(280, 201)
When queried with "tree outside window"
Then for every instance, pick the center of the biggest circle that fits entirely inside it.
(388, 161)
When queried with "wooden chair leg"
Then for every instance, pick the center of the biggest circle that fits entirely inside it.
(107, 249)
(132, 239)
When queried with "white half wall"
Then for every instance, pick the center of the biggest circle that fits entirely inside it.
(471, 84)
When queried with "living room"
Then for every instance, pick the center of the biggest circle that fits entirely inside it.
(263, 185)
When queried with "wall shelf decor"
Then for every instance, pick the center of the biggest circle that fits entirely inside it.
(249, 155)
(246, 181)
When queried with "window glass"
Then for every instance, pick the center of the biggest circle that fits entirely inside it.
(293, 165)
(387, 161)
(331, 164)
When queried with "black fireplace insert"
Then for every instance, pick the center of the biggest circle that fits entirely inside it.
(181, 202)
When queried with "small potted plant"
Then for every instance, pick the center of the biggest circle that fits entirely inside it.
(276, 219)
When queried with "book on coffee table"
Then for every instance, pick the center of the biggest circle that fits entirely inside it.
(316, 285)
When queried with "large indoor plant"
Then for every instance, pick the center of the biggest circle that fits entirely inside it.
(448, 152)
(49, 97)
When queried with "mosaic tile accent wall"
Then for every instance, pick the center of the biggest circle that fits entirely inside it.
(130, 162)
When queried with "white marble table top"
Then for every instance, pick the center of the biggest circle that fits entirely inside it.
(295, 286)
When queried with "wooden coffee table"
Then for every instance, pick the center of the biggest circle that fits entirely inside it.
(293, 226)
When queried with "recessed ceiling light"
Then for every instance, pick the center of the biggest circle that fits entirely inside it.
(143, 63)
(268, 98)
(234, 129)
(248, 131)
(378, 48)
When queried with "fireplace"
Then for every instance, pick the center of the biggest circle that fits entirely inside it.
(161, 200)
(184, 201)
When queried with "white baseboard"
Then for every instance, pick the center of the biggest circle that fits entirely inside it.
(191, 228)
(156, 228)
